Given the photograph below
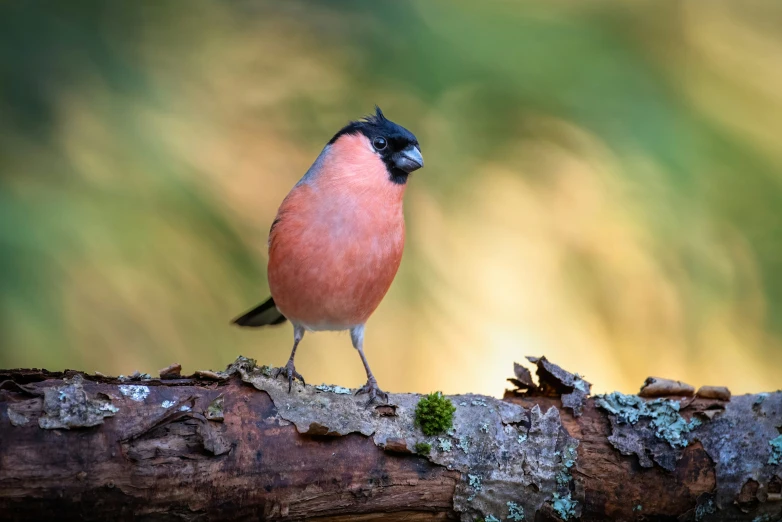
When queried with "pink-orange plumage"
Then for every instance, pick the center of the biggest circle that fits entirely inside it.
(338, 238)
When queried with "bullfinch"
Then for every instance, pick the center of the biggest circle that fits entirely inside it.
(336, 243)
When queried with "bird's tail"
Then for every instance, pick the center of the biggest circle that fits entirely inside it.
(265, 314)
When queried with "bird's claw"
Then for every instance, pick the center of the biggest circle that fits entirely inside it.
(290, 371)
(374, 393)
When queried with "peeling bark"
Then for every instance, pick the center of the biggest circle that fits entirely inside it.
(234, 445)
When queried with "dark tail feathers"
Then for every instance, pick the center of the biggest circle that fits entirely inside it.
(265, 314)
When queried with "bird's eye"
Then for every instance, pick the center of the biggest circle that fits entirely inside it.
(379, 143)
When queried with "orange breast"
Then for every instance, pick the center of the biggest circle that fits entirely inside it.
(338, 239)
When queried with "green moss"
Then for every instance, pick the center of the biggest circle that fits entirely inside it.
(423, 448)
(434, 413)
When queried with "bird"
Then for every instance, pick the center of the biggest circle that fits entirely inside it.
(337, 240)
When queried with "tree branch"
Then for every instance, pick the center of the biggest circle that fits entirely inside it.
(235, 445)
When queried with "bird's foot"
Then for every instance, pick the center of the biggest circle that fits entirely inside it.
(290, 371)
(374, 393)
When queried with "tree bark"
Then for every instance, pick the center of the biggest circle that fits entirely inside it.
(235, 445)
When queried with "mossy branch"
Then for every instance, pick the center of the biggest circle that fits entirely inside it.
(234, 445)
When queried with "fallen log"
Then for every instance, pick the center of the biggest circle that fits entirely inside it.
(234, 445)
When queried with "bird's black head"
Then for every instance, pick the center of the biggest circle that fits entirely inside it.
(396, 146)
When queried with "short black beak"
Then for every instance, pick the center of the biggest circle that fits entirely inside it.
(409, 159)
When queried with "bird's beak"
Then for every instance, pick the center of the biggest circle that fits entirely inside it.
(409, 159)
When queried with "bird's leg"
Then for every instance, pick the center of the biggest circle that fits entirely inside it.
(370, 388)
(289, 369)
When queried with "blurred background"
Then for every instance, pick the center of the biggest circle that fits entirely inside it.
(603, 184)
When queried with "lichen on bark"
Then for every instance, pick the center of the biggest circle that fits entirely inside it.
(652, 430)
(507, 455)
(741, 453)
(69, 406)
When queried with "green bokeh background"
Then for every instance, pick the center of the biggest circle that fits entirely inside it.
(603, 184)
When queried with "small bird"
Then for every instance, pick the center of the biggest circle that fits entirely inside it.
(337, 241)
